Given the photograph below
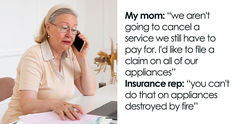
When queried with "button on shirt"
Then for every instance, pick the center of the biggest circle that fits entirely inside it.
(37, 71)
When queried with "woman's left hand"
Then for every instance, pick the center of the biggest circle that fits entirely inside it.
(87, 83)
(84, 49)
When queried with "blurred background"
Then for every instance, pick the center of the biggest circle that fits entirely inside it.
(21, 20)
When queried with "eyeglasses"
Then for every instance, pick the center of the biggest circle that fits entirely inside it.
(65, 28)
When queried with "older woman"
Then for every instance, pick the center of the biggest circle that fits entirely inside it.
(47, 72)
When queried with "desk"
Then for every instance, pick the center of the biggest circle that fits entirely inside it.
(88, 103)
(103, 95)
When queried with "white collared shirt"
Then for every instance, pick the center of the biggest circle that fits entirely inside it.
(37, 71)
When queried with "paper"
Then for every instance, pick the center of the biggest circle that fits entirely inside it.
(53, 118)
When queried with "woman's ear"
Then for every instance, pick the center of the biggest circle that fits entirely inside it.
(48, 28)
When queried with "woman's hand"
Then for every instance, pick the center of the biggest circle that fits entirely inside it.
(85, 48)
(69, 110)
(86, 84)
(30, 104)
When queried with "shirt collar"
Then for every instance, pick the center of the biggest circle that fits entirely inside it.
(47, 52)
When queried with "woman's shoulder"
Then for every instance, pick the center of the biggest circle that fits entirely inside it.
(35, 48)
(30, 56)
(33, 51)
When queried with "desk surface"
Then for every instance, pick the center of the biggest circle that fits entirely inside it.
(88, 103)
(103, 95)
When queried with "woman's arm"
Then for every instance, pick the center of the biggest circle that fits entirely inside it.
(86, 83)
(30, 104)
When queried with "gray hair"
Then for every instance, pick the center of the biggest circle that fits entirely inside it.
(43, 33)
(60, 12)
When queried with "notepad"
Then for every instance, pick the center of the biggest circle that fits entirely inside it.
(53, 118)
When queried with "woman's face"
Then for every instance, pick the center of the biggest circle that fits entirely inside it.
(61, 39)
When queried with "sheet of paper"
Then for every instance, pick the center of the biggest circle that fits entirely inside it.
(53, 118)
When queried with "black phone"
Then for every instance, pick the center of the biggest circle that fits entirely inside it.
(78, 43)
